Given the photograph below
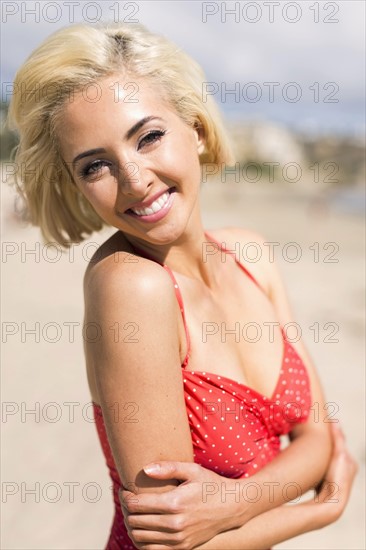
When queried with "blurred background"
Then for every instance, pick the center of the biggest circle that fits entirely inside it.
(289, 78)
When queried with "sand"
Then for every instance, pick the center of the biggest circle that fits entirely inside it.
(56, 489)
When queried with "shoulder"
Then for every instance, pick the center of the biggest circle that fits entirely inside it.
(134, 304)
(115, 266)
(129, 283)
(252, 249)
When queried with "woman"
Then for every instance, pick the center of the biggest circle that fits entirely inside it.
(113, 130)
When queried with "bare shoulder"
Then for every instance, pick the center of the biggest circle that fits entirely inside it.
(251, 249)
(125, 295)
(116, 271)
(128, 280)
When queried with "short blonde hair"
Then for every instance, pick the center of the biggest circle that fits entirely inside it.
(68, 60)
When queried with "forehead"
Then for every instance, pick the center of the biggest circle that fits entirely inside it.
(112, 100)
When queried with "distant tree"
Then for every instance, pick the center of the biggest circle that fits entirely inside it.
(8, 139)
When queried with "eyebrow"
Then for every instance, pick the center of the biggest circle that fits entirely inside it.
(135, 128)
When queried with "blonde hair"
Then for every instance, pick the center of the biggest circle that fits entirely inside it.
(68, 60)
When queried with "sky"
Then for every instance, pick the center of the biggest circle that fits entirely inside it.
(300, 64)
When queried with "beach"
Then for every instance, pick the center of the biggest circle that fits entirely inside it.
(56, 489)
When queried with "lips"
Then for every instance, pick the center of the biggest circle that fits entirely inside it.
(149, 202)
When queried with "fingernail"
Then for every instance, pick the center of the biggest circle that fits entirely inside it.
(152, 468)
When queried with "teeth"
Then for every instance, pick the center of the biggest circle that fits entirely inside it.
(154, 207)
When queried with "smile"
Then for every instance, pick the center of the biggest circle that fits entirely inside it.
(156, 206)
(155, 211)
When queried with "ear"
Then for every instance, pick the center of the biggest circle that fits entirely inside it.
(200, 137)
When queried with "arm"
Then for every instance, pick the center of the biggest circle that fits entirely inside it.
(260, 533)
(265, 530)
(142, 368)
(286, 522)
(273, 527)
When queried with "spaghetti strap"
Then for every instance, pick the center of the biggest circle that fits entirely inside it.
(179, 298)
(242, 266)
(181, 306)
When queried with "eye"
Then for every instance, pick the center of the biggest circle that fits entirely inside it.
(150, 138)
(92, 170)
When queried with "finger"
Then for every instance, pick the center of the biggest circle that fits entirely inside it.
(183, 471)
(151, 522)
(147, 503)
(339, 441)
(142, 536)
(126, 497)
(336, 428)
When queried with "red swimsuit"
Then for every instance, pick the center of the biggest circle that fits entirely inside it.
(235, 430)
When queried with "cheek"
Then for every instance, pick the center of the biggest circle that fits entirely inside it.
(101, 196)
(179, 158)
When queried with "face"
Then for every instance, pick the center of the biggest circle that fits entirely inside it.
(133, 159)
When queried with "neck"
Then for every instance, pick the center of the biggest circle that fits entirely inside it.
(192, 255)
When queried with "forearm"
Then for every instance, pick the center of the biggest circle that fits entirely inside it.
(288, 521)
(211, 525)
(272, 527)
(298, 468)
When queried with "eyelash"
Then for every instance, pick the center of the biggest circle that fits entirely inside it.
(84, 172)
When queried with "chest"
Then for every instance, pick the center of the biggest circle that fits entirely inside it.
(234, 331)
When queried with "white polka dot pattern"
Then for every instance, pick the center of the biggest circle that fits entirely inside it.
(236, 430)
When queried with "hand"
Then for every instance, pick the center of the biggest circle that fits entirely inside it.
(184, 517)
(334, 491)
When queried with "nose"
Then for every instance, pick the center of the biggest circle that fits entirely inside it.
(134, 180)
